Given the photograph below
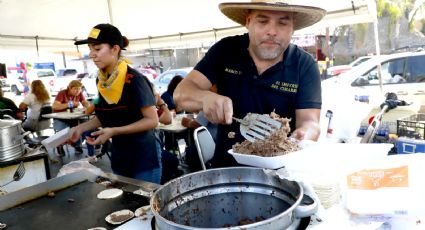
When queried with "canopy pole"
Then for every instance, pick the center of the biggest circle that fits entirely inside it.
(377, 47)
(76, 46)
(36, 45)
(111, 18)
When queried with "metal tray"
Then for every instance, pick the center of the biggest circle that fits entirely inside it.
(75, 205)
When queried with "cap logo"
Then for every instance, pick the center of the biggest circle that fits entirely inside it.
(94, 33)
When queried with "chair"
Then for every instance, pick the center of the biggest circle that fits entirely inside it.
(6, 113)
(35, 137)
(204, 144)
(45, 109)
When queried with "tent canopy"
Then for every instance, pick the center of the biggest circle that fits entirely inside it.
(149, 23)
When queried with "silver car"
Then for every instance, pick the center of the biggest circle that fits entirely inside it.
(162, 81)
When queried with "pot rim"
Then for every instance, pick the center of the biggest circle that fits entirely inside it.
(9, 123)
(288, 211)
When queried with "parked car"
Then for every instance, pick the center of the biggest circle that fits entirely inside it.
(149, 73)
(353, 94)
(16, 84)
(402, 73)
(89, 85)
(47, 76)
(64, 76)
(162, 81)
(338, 69)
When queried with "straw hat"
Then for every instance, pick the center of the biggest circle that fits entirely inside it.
(304, 15)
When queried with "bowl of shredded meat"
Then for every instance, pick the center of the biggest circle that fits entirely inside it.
(270, 152)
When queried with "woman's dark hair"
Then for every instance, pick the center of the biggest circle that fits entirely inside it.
(173, 84)
(126, 42)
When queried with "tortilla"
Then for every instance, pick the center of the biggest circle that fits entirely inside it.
(143, 211)
(119, 217)
(109, 193)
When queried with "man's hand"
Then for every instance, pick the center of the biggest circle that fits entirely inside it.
(298, 134)
(218, 109)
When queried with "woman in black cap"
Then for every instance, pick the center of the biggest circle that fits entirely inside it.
(125, 109)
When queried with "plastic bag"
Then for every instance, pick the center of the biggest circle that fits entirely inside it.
(390, 190)
(79, 165)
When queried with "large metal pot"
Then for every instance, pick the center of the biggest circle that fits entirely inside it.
(11, 139)
(229, 198)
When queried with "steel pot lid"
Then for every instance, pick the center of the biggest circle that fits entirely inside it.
(5, 124)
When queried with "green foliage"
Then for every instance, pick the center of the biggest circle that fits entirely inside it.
(360, 30)
(423, 26)
(380, 8)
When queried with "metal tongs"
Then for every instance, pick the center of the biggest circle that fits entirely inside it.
(17, 176)
(257, 126)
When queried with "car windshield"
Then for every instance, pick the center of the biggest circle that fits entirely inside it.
(45, 74)
(359, 61)
(66, 72)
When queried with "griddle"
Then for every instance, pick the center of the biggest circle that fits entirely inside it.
(73, 207)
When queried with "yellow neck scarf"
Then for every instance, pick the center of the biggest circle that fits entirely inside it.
(111, 86)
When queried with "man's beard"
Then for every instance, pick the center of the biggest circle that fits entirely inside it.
(268, 54)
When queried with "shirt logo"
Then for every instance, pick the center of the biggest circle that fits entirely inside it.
(232, 71)
(285, 87)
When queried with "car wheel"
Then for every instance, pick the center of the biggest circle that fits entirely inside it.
(15, 90)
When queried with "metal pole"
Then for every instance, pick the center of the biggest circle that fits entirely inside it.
(328, 55)
(64, 59)
(377, 47)
(36, 45)
(111, 18)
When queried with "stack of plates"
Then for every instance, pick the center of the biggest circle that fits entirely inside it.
(329, 193)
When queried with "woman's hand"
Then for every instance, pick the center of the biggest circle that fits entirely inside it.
(101, 136)
(74, 134)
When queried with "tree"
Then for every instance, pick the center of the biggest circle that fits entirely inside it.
(418, 9)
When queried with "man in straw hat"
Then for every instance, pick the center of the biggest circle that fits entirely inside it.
(258, 72)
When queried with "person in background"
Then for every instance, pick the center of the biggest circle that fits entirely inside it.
(258, 72)
(69, 98)
(161, 67)
(33, 104)
(125, 109)
(168, 161)
(167, 96)
(8, 107)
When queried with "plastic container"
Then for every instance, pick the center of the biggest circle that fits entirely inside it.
(71, 106)
(407, 145)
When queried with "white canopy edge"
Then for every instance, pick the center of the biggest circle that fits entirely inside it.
(362, 14)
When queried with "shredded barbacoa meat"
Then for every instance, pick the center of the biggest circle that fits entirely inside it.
(275, 145)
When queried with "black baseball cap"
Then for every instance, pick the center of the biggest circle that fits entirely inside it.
(104, 33)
